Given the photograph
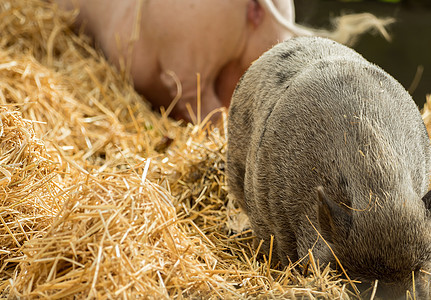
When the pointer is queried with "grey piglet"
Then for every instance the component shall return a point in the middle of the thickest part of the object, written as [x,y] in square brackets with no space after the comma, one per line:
[318,136]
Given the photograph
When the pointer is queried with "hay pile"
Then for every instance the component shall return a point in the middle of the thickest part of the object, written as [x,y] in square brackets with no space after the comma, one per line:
[102,197]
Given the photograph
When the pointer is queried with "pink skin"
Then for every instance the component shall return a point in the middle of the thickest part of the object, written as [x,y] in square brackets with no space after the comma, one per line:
[218,39]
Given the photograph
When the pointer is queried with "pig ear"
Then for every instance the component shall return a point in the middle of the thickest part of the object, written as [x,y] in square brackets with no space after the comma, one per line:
[335,221]
[254,13]
[427,200]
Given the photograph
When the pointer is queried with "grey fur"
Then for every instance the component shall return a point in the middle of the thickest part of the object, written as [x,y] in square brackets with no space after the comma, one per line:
[309,113]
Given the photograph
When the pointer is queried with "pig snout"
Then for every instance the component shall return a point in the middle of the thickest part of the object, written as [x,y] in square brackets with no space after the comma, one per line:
[321,139]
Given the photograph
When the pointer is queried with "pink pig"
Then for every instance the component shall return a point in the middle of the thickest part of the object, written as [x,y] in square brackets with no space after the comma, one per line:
[168,42]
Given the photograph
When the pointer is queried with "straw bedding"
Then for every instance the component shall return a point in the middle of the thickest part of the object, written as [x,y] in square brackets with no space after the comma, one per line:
[102,197]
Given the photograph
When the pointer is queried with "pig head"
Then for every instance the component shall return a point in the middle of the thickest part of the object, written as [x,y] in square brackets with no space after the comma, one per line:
[163,44]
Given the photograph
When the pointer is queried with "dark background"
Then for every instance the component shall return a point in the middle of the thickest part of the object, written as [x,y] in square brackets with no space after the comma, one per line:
[411,36]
